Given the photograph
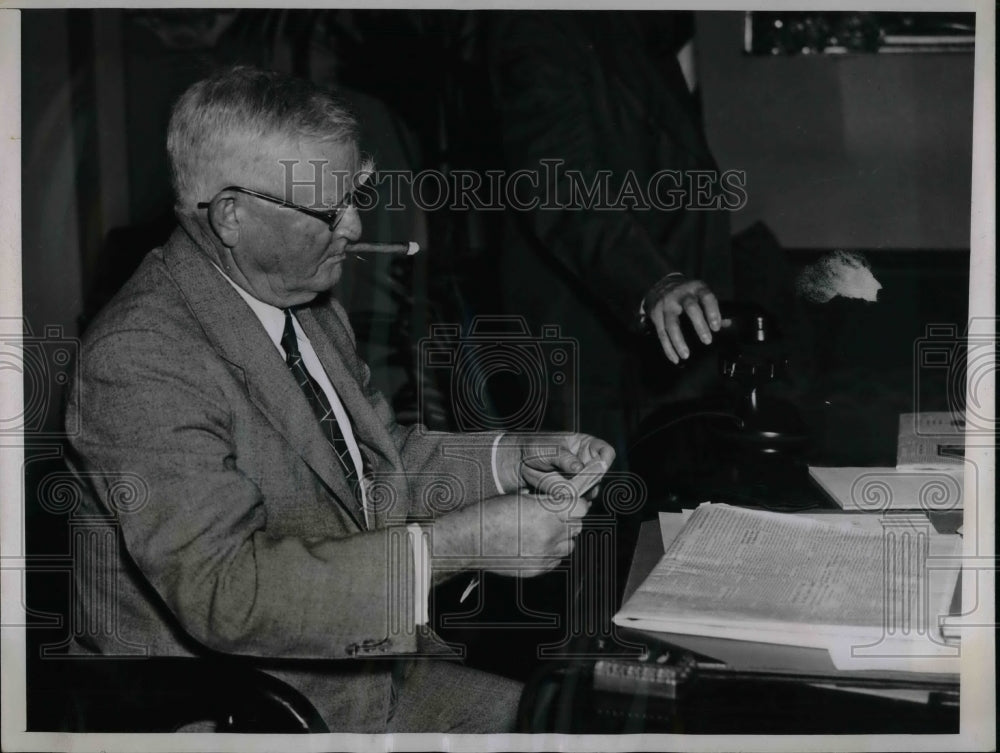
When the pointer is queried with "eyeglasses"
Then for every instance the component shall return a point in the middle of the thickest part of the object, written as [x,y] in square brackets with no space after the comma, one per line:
[331,217]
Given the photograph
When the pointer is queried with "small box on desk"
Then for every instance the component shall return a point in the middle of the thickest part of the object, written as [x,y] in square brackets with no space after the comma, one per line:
[929,473]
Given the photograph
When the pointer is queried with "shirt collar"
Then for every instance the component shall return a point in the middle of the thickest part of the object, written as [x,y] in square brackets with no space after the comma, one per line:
[271,317]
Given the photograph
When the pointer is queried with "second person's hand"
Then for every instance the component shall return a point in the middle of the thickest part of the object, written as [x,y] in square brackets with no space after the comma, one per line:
[676,296]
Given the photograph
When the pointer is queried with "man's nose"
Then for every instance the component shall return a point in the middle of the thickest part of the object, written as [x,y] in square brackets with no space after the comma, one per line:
[349,225]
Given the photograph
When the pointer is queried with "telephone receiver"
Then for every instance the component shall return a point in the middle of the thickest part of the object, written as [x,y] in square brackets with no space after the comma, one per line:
[751,349]
[746,322]
[751,359]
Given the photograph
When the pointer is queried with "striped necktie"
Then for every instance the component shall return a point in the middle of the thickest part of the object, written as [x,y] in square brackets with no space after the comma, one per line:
[324,413]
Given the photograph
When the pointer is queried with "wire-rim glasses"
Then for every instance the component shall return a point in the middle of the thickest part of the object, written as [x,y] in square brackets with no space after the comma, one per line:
[331,217]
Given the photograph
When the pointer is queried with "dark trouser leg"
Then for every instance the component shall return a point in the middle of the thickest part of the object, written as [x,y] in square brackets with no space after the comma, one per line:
[442,696]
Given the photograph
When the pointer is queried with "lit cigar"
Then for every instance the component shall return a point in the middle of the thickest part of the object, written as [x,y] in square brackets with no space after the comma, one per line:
[409,248]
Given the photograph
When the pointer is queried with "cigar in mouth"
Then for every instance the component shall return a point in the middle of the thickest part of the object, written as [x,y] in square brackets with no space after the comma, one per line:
[408,248]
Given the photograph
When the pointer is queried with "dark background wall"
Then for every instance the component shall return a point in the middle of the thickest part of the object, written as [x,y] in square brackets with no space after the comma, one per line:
[857,151]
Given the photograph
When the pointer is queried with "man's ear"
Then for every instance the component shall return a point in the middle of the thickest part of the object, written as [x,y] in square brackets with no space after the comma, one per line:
[224,219]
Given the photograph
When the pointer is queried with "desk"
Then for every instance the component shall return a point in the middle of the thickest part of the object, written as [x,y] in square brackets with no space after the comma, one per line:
[854,373]
[718,700]
[563,700]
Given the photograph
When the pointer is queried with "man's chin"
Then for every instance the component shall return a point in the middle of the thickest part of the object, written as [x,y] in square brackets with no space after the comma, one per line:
[317,291]
[328,284]
[334,278]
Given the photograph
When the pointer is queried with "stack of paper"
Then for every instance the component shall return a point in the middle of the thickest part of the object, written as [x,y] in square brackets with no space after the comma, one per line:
[929,473]
[864,489]
[869,590]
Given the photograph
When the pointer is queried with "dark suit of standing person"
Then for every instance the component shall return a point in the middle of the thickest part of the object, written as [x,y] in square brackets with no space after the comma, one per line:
[587,90]
[279,511]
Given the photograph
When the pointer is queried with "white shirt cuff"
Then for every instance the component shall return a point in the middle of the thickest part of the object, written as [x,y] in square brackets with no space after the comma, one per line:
[421,573]
[493,462]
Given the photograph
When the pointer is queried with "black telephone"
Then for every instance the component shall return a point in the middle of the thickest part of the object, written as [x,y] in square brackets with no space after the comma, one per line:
[752,364]
[752,359]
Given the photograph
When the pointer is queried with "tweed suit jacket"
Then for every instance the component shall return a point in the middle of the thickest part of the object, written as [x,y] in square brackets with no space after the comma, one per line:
[238,535]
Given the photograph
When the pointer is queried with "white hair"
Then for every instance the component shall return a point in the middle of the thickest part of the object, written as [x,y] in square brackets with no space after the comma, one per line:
[219,128]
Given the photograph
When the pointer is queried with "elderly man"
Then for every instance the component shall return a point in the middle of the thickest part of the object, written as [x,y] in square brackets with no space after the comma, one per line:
[283,513]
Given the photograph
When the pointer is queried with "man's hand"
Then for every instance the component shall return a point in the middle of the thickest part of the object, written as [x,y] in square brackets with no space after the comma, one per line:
[543,462]
[519,535]
[674,296]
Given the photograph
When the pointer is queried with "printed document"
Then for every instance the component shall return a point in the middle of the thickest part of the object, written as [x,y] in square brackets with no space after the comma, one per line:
[870,589]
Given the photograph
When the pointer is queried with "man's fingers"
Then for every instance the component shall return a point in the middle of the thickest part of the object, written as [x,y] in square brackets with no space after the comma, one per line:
[598,449]
[589,449]
[565,542]
[565,504]
[692,308]
[672,325]
[693,299]
[579,509]
[567,462]
[567,471]
[550,483]
[710,304]
[608,454]
[658,317]
[553,453]
[568,547]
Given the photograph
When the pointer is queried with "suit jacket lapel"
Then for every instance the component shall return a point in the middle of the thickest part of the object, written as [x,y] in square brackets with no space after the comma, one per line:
[239,337]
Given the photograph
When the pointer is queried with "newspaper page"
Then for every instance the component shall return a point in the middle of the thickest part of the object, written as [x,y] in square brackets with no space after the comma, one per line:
[771,577]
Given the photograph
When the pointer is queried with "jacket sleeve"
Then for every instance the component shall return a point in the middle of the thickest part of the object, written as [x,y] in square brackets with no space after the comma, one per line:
[553,102]
[158,408]
[444,470]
